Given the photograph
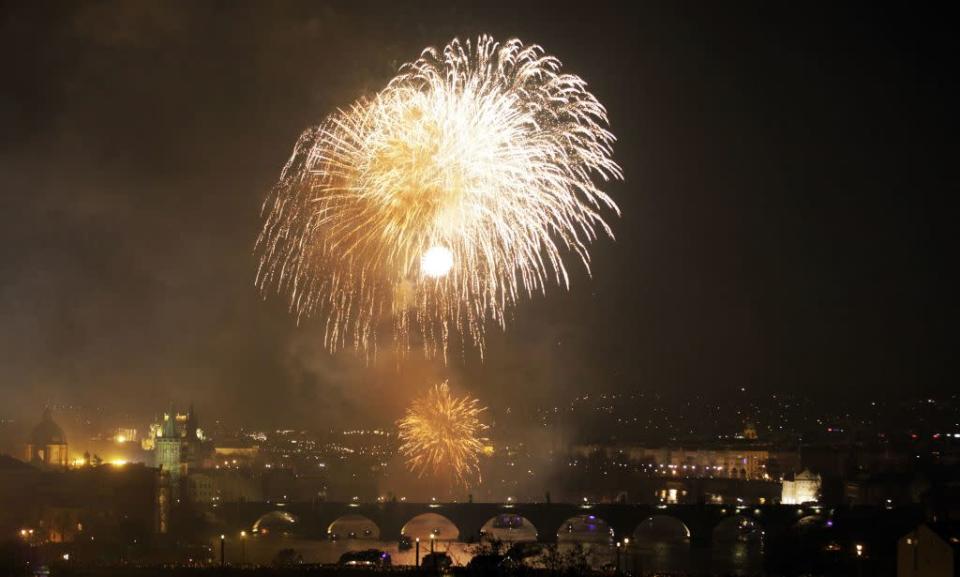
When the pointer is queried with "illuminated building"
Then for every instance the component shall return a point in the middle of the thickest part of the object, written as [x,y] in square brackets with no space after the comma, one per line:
[176,446]
[804,488]
[125,435]
[168,458]
[169,448]
[148,443]
[48,444]
[174,424]
[671,493]
[175,441]
[751,463]
[246,453]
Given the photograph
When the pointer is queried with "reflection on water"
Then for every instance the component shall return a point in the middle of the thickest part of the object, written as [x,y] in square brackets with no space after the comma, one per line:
[353,527]
[585,529]
[509,528]
[736,558]
[674,557]
[261,550]
[431,524]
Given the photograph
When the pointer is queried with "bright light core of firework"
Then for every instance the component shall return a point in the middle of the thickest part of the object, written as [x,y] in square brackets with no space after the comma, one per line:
[442,433]
[432,208]
[437,262]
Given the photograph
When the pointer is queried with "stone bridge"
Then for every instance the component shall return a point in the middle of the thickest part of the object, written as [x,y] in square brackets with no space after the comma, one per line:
[313,520]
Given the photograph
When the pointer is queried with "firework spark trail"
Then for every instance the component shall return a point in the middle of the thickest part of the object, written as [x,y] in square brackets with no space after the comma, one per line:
[442,432]
[437,204]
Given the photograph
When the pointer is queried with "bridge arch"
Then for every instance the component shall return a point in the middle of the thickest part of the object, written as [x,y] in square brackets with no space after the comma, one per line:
[813,526]
[808,521]
[353,526]
[281,521]
[509,527]
[585,528]
[738,528]
[660,529]
[426,524]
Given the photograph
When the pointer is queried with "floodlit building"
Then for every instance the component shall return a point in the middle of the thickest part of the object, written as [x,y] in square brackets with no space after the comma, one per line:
[125,435]
[803,488]
[149,442]
[177,450]
[48,444]
[176,442]
[749,462]
[169,449]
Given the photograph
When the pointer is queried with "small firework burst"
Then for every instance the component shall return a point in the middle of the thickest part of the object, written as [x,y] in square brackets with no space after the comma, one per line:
[442,433]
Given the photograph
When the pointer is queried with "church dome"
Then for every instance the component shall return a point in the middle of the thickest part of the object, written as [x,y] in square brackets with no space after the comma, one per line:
[47,432]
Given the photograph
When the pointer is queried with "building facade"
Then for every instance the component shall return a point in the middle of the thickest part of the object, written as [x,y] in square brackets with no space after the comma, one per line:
[928,551]
[177,448]
[803,488]
[749,462]
[47,445]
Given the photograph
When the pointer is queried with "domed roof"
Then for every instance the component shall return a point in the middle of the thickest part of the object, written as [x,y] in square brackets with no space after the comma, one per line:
[47,432]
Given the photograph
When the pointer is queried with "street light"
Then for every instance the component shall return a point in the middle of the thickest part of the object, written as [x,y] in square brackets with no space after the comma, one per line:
[418,552]
[859,547]
[626,554]
[243,548]
[223,540]
[432,536]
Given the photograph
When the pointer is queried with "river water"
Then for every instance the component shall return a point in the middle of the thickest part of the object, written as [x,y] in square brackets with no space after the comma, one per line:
[733,558]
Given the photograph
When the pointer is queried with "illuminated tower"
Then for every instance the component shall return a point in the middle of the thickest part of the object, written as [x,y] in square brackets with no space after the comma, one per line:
[168,455]
[168,445]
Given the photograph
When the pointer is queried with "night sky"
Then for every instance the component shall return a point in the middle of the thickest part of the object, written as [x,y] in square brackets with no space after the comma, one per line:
[786,218]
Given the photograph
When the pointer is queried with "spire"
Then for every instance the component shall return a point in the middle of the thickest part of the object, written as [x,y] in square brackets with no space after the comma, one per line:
[191,423]
[169,428]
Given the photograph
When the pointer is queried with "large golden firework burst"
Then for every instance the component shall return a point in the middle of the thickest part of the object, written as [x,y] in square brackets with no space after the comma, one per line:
[434,206]
[442,433]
